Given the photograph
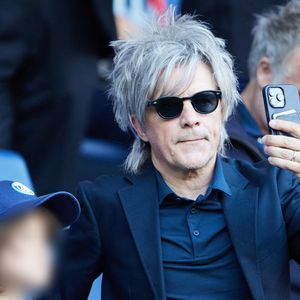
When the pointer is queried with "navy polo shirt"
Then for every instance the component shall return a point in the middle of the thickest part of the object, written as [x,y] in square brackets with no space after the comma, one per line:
[199,261]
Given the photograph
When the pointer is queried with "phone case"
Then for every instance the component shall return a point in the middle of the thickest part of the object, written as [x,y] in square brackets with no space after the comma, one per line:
[281,102]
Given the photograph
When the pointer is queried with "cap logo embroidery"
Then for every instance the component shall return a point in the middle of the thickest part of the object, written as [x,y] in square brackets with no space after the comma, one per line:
[21,188]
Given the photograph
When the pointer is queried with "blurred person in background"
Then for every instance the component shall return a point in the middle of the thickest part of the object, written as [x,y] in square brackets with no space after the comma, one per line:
[29,227]
[274,58]
[31,118]
[49,51]
[78,34]
[182,221]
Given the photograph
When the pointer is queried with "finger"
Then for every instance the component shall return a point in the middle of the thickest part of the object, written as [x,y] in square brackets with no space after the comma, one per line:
[281,141]
[281,153]
[292,166]
[290,127]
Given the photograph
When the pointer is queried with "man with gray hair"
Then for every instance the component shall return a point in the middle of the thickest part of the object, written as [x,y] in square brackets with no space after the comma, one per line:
[274,58]
[183,222]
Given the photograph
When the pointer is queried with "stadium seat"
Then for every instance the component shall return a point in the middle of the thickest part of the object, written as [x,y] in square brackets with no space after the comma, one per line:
[95,293]
[13,167]
[98,157]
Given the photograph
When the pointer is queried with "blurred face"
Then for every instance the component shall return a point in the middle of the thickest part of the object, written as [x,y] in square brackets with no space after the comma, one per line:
[25,252]
[293,64]
[190,141]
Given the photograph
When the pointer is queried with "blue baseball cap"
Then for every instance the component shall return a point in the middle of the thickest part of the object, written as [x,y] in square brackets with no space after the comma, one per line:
[17,199]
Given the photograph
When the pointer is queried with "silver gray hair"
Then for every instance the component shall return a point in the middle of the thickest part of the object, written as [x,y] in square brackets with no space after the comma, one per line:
[275,34]
[144,63]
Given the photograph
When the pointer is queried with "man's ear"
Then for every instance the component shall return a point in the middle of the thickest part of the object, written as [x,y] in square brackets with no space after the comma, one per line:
[264,73]
[138,128]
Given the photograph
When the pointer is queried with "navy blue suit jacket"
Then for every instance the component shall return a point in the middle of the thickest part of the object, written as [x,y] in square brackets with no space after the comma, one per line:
[118,233]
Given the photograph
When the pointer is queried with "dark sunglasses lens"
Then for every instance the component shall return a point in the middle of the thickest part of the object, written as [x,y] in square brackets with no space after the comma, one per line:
[205,102]
[169,107]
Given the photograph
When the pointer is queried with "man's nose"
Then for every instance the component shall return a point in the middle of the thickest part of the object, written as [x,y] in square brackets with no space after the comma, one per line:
[189,117]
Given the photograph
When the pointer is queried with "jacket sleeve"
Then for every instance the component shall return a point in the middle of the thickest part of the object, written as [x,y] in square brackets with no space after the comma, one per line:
[290,202]
[82,260]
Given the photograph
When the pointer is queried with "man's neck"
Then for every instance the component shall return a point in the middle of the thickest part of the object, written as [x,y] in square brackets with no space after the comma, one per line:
[187,183]
[251,95]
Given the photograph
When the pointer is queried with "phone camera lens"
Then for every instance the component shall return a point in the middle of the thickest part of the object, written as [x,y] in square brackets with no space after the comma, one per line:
[272,92]
[280,97]
[276,97]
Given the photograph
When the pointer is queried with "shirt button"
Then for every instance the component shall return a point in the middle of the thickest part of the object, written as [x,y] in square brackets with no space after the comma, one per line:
[193,210]
[196,232]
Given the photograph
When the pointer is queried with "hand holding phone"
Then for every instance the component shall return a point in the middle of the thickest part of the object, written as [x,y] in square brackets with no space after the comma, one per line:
[281,102]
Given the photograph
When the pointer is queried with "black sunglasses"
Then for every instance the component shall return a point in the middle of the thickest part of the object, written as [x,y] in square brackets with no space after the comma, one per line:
[203,102]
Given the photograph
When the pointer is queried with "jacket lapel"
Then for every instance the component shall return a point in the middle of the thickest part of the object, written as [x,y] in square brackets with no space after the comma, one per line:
[240,214]
[141,208]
